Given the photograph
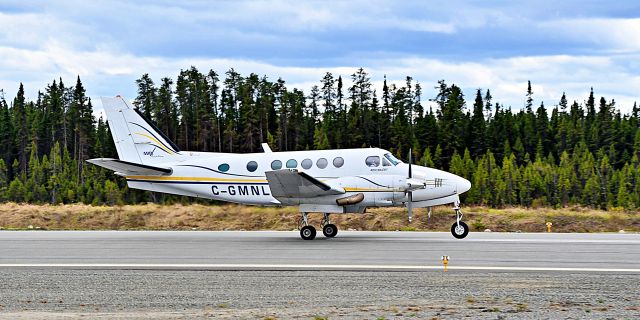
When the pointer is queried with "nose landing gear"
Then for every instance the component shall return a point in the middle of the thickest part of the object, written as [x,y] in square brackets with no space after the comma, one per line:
[459,229]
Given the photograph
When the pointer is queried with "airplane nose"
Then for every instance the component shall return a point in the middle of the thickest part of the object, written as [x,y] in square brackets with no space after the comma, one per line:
[462,185]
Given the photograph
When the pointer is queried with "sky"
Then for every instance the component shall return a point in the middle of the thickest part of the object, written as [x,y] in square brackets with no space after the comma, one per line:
[560,46]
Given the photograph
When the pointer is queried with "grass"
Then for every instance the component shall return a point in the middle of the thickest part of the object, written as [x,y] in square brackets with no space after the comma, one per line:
[522,307]
[15,216]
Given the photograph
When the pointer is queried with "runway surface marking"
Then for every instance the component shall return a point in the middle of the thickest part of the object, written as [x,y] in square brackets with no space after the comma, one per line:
[517,240]
[304,267]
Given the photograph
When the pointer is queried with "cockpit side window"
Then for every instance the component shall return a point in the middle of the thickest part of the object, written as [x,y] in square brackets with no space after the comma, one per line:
[392,159]
[372,161]
[386,162]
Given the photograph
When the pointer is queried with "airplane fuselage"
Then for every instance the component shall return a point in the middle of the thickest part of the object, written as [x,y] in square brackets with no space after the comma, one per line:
[241,178]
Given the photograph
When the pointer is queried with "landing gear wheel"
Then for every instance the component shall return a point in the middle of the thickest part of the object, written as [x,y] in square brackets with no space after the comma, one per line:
[459,231]
[330,230]
[308,233]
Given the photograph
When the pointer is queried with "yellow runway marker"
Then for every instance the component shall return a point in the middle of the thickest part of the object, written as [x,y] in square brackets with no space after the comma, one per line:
[445,262]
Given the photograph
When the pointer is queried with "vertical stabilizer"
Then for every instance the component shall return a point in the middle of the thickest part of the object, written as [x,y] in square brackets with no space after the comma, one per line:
[136,138]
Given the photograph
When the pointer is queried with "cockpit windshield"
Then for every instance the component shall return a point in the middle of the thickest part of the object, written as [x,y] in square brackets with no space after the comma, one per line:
[393,159]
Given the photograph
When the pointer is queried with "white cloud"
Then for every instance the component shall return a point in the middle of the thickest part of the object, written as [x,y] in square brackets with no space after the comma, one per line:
[31,30]
[74,38]
[612,35]
[108,72]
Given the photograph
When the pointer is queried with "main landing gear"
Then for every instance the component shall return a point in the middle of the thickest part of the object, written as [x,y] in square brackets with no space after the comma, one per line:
[328,229]
[308,232]
[459,229]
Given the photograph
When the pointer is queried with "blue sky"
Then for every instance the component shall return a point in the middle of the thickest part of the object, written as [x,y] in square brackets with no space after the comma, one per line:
[560,46]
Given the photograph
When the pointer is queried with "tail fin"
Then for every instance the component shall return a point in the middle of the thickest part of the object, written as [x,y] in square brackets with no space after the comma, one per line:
[137,139]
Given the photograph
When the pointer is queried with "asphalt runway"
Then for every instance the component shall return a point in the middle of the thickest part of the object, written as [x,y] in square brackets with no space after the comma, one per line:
[366,251]
[357,275]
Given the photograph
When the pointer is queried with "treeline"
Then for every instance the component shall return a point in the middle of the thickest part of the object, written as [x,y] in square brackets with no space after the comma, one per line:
[580,152]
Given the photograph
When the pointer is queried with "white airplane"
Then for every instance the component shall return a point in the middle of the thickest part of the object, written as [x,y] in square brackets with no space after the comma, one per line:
[322,181]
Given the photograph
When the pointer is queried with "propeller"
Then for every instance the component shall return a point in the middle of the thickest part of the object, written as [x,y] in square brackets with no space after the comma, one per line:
[409,192]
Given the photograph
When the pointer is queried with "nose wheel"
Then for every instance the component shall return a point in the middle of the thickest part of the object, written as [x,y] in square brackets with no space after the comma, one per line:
[459,229]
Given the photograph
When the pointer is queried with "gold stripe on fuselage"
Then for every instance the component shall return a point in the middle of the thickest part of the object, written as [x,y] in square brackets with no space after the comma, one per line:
[195,179]
[348,189]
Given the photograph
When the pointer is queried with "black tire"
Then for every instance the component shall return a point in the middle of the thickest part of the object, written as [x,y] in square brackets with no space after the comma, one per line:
[330,230]
[308,233]
[459,235]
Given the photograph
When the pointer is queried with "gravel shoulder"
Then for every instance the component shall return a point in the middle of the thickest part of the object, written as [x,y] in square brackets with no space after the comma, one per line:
[171,294]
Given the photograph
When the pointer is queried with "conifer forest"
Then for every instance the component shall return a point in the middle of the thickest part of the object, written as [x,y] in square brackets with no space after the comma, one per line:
[552,153]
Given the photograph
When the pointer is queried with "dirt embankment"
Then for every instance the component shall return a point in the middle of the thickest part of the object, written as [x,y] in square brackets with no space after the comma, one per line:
[236,217]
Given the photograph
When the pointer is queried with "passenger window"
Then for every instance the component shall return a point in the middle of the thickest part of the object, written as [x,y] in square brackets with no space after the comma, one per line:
[252,166]
[386,162]
[276,165]
[372,161]
[322,163]
[306,163]
[338,162]
[292,163]
[223,167]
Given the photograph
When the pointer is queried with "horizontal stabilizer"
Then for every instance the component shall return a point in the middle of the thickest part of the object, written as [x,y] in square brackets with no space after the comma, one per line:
[293,184]
[126,168]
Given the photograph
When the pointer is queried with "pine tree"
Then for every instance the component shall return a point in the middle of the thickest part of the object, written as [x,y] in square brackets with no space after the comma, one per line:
[146,99]
[477,126]
[21,128]
[4,180]
[426,159]
[6,133]
[511,179]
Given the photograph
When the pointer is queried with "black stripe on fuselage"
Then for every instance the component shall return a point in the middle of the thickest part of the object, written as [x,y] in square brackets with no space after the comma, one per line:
[377,184]
[220,172]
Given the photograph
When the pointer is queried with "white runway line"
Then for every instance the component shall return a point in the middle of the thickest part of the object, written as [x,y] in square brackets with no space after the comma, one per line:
[307,267]
[558,241]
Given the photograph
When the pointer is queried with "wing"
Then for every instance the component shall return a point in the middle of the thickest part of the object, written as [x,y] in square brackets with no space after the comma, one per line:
[293,184]
[129,168]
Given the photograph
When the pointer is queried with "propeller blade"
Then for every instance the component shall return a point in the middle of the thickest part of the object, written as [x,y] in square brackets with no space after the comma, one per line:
[410,206]
[410,162]
[409,193]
